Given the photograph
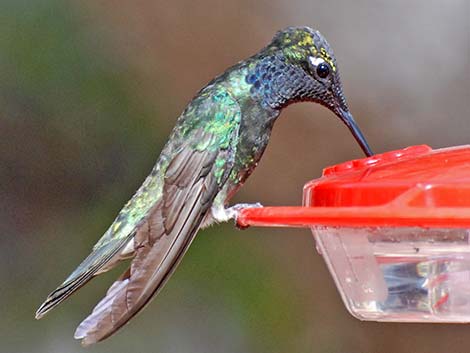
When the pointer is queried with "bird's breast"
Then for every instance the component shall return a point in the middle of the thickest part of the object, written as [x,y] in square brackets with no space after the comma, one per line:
[255,131]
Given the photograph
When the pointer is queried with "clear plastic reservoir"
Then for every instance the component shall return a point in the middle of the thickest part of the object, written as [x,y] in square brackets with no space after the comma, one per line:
[400,274]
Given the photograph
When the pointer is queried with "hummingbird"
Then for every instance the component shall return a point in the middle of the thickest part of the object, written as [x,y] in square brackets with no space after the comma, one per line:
[216,144]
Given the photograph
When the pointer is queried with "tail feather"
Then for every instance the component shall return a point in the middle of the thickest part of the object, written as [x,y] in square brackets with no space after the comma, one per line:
[104,305]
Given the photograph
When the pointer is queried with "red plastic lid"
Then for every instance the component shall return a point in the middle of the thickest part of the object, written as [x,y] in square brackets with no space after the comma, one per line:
[416,186]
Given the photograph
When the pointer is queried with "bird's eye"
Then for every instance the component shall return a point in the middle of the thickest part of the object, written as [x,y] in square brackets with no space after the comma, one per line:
[323,70]
[319,67]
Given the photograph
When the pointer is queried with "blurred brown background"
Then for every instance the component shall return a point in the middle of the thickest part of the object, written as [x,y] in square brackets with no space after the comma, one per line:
[88,94]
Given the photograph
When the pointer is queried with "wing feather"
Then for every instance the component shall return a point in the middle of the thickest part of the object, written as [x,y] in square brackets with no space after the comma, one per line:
[92,265]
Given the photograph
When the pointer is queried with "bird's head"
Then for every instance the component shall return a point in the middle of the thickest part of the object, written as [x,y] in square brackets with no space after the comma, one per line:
[299,65]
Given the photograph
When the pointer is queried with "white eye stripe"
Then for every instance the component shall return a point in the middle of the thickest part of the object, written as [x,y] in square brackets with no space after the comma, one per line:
[315,61]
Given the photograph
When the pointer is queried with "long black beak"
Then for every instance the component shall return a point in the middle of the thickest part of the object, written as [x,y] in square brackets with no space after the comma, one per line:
[348,119]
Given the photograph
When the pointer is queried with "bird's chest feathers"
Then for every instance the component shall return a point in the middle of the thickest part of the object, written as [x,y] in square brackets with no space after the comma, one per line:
[255,131]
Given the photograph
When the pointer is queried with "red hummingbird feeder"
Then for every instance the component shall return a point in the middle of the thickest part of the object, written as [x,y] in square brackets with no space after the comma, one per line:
[394,230]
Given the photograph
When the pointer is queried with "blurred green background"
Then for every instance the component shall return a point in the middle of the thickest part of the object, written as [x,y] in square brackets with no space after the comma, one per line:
[89,91]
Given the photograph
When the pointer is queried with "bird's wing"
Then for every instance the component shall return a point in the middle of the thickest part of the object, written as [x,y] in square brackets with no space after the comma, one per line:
[109,249]
[192,176]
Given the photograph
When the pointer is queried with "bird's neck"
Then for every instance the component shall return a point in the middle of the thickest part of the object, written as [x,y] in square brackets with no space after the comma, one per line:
[251,102]
[267,79]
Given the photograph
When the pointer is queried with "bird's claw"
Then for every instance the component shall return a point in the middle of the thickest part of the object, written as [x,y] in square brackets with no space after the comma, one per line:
[236,209]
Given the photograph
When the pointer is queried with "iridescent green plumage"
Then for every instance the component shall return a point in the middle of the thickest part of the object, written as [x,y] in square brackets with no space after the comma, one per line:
[217,142]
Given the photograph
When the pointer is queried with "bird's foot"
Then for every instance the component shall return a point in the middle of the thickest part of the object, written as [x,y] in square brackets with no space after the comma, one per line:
[225,214]
[235,210]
